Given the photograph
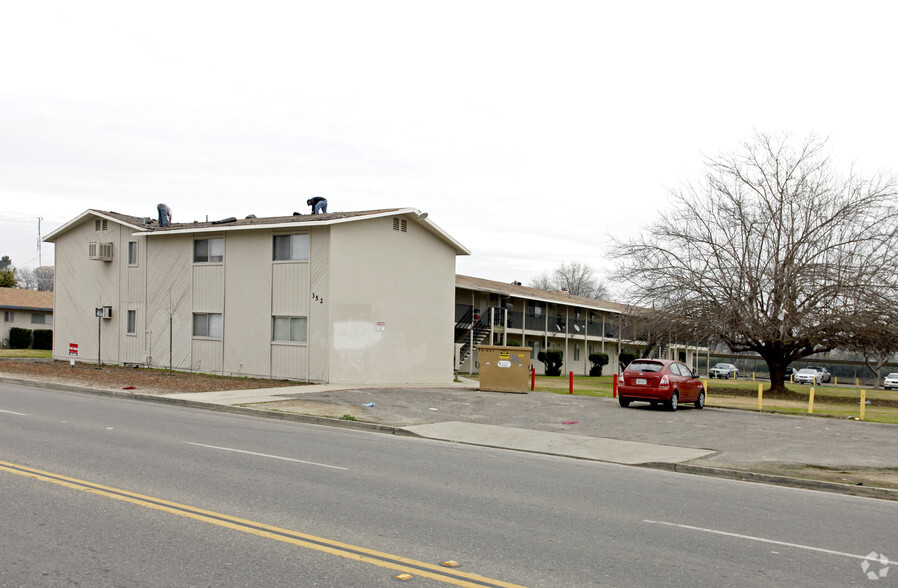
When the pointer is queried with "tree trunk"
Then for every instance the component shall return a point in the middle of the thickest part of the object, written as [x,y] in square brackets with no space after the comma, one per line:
[777,368]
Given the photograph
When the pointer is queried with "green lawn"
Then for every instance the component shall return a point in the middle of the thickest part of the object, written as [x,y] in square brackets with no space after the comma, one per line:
[829,400]
[41,353]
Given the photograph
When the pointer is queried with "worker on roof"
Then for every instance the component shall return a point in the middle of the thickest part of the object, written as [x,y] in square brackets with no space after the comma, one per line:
[164,214]
[318,204]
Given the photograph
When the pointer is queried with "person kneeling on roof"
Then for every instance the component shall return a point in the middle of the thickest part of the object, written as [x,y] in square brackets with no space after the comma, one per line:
[318,204]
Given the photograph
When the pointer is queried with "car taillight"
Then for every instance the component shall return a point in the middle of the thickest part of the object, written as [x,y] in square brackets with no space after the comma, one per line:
[620,378]
[665,381]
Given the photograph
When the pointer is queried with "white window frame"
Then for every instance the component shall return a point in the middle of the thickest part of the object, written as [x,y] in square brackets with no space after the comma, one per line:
[207,325]
[131,326]
[132,252]
[214,250]
[294,247]
[290,329]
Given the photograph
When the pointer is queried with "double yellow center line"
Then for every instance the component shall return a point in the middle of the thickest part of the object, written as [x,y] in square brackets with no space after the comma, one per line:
[384,560]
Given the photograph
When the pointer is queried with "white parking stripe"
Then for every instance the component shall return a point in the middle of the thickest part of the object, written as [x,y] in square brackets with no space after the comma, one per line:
[761,539]
[16,413]
[324,465]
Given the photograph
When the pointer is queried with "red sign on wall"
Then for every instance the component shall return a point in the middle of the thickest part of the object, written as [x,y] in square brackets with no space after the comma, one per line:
[73,349]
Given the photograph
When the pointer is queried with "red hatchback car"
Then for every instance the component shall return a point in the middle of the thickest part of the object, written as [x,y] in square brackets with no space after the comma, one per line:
[660,381]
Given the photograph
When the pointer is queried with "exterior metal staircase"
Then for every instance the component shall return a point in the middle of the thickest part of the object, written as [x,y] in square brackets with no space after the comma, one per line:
[473,323]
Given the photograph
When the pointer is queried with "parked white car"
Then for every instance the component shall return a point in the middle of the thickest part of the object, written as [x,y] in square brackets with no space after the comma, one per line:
[723,370]
[824,376]
[891,381]
[807,376]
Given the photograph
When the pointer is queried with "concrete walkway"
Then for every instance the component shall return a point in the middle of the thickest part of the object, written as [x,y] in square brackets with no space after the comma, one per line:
[564,444]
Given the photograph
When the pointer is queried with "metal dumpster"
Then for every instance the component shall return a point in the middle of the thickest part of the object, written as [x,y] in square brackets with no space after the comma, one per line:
[504,369]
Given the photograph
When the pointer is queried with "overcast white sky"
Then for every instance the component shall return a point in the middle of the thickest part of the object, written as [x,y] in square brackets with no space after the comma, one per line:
[530,132]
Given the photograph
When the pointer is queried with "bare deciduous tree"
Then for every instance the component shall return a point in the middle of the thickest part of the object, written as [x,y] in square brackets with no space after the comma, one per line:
[26,279]
[45,277]
[574,277]
[875,337]
[774,252]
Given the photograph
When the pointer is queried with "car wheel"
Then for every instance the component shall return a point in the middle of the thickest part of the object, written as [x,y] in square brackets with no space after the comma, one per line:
[625,402]
[671,404]
[700,402]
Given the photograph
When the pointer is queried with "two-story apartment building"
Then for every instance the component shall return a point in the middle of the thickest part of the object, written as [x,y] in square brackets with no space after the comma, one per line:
[495,313]
[25,309]
[355,297]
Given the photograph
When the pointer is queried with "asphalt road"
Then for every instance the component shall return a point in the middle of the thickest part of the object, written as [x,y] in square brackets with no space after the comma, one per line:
[504,516]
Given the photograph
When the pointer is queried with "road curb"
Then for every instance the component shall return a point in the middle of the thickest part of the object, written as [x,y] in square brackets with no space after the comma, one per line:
[803,483]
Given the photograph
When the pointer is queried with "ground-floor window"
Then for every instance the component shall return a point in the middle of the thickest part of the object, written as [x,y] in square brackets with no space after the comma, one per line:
[576,352]
[132,322]
[207,324]
[294,329]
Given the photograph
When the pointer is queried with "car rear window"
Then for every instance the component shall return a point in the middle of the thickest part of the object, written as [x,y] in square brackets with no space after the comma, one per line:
[645,366]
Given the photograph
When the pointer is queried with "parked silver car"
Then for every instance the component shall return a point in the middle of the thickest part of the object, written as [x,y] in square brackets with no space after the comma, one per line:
[723,370]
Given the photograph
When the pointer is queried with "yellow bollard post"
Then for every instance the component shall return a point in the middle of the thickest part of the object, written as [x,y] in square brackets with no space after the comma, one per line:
[811,402]
[760,395]
[752,376]
[835,380]
[863,404]
[734,375]
[856,383]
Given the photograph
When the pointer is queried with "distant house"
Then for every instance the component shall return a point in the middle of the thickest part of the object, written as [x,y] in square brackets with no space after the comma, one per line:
[355,297]
[25,309]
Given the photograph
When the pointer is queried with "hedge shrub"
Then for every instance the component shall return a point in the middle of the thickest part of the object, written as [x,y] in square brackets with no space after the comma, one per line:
[19,338]
[598,360]
[43,339]
[552,360]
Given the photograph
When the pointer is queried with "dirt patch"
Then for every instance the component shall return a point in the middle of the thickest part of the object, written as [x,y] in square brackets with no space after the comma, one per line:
[142,380]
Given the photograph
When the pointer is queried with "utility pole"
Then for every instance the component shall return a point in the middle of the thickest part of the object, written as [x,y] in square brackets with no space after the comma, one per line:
[39,219]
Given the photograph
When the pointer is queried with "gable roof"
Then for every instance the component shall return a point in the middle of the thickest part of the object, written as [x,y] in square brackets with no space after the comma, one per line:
[526,292]
[18,299]
[150,227]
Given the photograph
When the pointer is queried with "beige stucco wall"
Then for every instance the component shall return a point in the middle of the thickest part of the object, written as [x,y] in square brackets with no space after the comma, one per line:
[402,280]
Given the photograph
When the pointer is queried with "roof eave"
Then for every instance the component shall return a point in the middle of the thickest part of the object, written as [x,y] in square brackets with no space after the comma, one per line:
[52,236]
[414,213]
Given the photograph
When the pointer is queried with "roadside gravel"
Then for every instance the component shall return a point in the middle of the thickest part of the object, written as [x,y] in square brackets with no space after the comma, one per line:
[145,381]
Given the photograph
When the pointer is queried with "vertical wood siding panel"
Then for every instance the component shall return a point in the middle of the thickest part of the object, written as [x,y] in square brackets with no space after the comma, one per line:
[247,304]
[208,288]
[289,361]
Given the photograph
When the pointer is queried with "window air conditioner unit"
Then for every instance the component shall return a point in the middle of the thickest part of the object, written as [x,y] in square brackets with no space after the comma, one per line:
[103,312]
[99,251]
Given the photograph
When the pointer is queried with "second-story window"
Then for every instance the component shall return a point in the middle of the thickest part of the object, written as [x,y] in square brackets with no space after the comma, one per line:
[132,252]
[208,250]
[291,247]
